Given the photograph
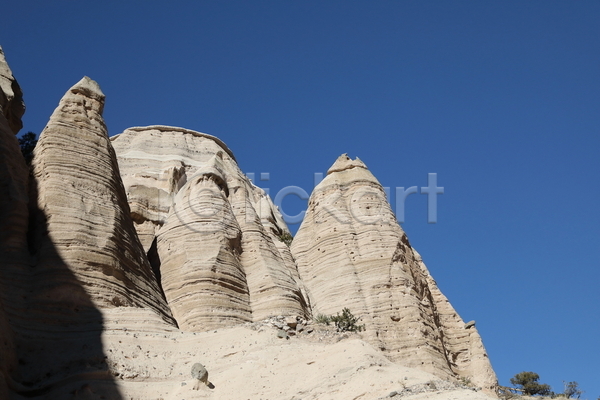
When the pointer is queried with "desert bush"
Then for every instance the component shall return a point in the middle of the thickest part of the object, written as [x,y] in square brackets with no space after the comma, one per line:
[572,390]
[27,143]
[527,381]
[322,319]
[346,322]
[286,238]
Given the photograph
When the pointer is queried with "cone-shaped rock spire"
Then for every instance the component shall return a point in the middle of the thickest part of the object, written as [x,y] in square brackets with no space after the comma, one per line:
[352,253]
[84,212]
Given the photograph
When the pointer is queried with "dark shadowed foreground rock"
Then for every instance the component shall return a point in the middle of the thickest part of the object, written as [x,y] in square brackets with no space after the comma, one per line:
[14,257]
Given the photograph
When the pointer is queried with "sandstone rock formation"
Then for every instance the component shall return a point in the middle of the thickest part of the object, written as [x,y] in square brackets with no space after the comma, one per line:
[11,96]
[121,268]
[212,234]
[83,210]
[13,221]
[352,253]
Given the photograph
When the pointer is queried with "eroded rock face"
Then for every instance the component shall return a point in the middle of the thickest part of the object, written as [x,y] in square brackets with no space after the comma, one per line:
[80,299]
[11,96]
[13,223]
[351,252]
[83,219]
[212,234]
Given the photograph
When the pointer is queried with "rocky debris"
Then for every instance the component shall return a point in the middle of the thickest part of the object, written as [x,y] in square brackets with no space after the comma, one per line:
[352,253]
[439,386]
[292,322]
[304,329]
[469,324]
[282,334]
[212,234]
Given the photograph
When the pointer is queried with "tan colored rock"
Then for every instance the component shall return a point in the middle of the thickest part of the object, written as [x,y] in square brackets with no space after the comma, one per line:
[351,252]
[82,314]
[11,96]
[199,248]
[213,232]
[84,220]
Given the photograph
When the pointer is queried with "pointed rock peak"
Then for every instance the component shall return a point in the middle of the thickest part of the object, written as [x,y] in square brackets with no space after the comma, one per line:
[344,162]
[88,88]
[11,96]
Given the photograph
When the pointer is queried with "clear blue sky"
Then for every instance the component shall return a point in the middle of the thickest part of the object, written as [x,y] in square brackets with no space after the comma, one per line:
[500,99]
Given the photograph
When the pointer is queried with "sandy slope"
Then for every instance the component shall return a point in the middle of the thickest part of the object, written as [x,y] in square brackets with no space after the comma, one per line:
[251,362]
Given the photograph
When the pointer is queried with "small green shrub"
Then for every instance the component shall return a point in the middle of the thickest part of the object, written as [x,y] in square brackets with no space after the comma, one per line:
[346,322]
[322,319]
[286,238]
[465,381]
[27,143]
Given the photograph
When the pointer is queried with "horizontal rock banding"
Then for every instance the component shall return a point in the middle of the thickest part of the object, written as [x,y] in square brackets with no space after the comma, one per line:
[83,213]
[216,233]
[351,252]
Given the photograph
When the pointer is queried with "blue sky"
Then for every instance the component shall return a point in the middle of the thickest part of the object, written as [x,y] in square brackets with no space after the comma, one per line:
[500,99]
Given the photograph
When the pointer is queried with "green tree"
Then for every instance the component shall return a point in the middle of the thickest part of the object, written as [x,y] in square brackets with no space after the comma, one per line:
[27,143]
[528,382]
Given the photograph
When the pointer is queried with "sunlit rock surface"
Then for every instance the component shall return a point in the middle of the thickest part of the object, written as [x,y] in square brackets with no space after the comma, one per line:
[112,290]
[211,234]
[84,219]
[352,253]
[11,97]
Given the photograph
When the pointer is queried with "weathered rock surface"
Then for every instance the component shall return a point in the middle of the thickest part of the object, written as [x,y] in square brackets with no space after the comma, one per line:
[83,219]
[11,96]
[351,252]
[13,224]
[212,234]
[95,273]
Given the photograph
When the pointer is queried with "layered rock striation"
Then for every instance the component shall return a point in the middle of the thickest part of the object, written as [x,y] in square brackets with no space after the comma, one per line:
[111,249]
[11,96]
[212,235]
[352,253]
[83,211]
[13,223]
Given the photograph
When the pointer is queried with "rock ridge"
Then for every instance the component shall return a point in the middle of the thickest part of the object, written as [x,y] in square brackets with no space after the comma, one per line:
[12,105]
[183,130]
